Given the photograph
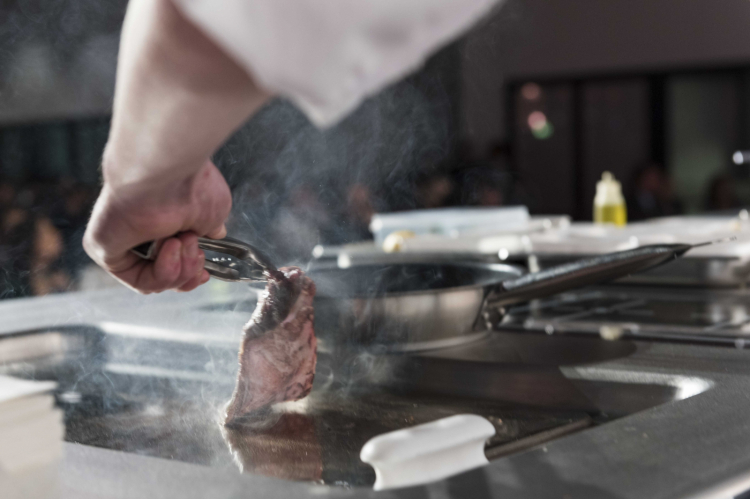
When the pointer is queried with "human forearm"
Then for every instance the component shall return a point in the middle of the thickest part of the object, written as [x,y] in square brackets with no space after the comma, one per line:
[178,98]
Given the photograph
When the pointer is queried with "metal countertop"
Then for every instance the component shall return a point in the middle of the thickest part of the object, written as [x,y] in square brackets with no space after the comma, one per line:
[699,446]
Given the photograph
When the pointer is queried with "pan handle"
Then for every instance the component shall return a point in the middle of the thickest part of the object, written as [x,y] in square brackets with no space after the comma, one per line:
[577,274]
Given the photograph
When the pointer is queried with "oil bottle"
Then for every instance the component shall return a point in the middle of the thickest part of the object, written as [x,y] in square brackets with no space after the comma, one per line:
[609,205]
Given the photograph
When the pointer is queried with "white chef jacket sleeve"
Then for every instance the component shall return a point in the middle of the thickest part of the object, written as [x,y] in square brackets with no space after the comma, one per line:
[327,56]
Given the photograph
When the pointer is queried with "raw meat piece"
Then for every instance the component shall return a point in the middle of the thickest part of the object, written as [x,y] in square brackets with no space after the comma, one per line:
[278,351]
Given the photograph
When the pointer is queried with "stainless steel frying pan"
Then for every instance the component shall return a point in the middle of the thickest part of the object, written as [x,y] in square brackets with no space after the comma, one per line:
[427,305]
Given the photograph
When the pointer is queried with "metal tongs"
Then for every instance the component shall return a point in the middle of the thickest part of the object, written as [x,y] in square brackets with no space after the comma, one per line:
[236,261]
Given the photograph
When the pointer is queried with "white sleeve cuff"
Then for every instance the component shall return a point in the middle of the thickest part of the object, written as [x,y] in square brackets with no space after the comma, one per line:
[327,56]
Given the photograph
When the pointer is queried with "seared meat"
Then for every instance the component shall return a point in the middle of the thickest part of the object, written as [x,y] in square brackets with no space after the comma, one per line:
[278,351]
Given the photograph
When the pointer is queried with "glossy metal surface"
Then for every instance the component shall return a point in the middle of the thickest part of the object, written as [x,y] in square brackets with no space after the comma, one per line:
[119,392]
[583,272]
[708,316]
[229,259]
[690,436]
[688,271]
[422,305]
[117,397]
[406,306]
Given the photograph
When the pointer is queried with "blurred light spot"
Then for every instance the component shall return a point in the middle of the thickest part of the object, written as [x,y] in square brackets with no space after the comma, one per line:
[503,254]
[537,120]
[531,91]
[690,387]
[533,264]
[396,240]
[611,332]
[738,158]
[545,132]
[344,261]
[540,127]
[318,251]
[70,397]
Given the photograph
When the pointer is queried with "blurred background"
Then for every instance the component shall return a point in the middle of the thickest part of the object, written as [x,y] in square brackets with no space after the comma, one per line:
[528,108]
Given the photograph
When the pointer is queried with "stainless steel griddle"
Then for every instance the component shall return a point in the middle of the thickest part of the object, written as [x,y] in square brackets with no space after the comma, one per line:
[141,377]
[117,398]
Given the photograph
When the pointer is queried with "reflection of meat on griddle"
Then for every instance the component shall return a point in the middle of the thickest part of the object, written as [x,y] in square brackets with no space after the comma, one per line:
[288,449]
[278,352]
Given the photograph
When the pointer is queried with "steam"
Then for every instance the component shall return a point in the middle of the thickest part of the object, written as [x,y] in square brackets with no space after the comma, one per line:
[292,184]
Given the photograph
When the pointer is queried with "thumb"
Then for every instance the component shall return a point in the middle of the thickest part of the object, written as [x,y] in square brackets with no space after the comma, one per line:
[219,233]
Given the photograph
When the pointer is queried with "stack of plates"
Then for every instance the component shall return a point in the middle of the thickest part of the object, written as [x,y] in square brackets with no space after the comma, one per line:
[31,435]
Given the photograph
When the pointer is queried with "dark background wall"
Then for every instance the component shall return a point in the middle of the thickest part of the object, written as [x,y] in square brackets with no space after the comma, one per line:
[533,38]
[647,81]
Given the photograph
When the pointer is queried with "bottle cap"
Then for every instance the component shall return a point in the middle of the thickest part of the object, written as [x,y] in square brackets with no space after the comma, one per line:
[608,190]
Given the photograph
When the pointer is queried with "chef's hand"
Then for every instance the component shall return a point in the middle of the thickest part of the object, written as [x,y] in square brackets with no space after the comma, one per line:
[178,97]
[125,217]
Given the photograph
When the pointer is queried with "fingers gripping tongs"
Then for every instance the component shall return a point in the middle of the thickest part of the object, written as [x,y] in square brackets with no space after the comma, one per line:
[227,259]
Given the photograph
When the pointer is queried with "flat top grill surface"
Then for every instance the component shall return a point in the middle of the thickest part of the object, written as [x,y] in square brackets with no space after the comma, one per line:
[318,439]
